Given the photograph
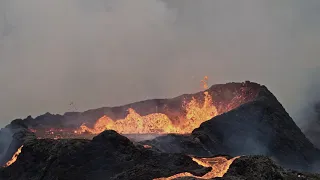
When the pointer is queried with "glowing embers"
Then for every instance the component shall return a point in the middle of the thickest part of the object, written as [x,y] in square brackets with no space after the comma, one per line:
[219,165]
[14,157]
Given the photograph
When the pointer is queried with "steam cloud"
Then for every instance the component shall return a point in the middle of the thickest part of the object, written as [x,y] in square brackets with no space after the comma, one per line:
[111,52]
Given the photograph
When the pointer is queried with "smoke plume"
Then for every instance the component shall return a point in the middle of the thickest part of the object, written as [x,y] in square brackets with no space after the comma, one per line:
[5,141]
[54,53]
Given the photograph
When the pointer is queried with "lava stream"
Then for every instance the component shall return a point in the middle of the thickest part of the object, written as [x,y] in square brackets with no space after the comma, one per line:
[219,165]
[14,157]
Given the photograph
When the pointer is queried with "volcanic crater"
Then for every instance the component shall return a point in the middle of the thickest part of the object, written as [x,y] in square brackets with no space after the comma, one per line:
[179,115]
[227,131]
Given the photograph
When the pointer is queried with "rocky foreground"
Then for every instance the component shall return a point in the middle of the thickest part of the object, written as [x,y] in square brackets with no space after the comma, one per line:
[112,156]
[256,140]
[108,156]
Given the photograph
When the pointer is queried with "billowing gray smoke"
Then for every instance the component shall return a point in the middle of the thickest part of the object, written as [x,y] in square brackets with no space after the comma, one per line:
[12,137]
[309,114]
[110,52]
[5,141]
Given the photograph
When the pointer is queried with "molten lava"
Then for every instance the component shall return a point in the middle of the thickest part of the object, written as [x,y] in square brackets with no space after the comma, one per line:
[205,82]
[134,123]
[219,165]
[197,113]
[14,157]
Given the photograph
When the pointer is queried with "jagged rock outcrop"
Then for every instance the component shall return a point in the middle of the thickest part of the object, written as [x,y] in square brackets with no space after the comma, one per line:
[260,127]
[108,156]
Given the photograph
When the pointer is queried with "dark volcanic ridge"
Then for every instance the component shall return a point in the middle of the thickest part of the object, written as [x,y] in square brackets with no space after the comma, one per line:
[225,97]
[257,128]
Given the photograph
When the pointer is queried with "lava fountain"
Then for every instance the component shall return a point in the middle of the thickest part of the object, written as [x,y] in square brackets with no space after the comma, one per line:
[178,115]
[158,123]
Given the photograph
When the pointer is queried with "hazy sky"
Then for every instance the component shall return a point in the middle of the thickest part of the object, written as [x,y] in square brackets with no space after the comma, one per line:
[111,52]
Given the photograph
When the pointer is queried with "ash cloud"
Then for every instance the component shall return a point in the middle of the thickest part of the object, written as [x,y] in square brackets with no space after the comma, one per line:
[112,52]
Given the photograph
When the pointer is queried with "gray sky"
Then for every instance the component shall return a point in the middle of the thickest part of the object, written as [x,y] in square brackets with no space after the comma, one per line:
[111,52]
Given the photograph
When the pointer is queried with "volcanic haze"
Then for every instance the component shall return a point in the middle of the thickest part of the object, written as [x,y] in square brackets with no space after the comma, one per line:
[54,53]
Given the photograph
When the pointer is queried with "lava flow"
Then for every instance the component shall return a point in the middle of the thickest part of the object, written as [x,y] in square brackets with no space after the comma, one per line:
[219,165]
[14,157]
[134,123]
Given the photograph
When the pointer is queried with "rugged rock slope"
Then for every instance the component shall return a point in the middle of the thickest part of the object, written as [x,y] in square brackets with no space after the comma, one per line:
[108,156]
[261,126]
[112,156]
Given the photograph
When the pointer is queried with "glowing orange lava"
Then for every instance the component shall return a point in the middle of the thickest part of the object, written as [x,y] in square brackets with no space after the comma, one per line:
[14,157]
[134,124]
[196,113]
[219,165]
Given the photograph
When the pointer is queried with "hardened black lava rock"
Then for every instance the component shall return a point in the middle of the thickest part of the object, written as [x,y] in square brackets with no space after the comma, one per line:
[259,127]
[108,156]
